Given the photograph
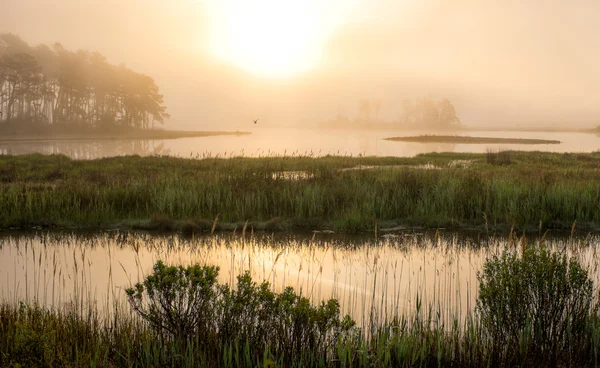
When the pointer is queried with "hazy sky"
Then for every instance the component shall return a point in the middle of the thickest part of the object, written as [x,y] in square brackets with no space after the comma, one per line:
[222,63]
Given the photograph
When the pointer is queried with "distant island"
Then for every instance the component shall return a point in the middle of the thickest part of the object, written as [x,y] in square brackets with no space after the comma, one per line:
[420,113]
[428,114]
[469,140]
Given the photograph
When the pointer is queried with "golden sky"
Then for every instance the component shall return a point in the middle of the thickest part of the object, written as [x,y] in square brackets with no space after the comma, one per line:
[222,62]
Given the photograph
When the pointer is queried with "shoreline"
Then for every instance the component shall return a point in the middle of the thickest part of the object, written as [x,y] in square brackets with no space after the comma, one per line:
[263,228]
[138,135]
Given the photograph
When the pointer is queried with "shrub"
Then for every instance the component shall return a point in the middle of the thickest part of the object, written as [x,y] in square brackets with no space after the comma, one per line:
[285,322]
[188,304]
[178,300]
[538,303]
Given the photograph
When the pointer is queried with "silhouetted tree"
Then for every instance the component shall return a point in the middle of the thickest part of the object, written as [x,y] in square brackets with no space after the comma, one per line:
[427,113]
[57,86]
[447,114]
[22,84]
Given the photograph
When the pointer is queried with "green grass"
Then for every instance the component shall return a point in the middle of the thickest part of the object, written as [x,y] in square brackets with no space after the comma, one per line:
[433,190]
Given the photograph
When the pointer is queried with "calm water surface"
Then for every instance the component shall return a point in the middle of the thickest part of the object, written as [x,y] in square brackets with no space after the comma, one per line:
[374,280]
[270,142]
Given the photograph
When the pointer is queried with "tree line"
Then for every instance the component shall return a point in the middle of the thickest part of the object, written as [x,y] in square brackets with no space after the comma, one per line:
[55,86]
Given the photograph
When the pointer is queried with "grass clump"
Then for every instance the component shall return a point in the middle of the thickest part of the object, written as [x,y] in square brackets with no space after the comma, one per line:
[498,158]
[197,226]
[161,223]
[33,336]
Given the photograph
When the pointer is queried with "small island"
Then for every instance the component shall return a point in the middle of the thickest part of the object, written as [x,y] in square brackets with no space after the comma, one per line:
[469,140]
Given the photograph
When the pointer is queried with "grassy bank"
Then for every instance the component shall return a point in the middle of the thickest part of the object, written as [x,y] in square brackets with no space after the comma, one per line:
[497,191]
[457,139]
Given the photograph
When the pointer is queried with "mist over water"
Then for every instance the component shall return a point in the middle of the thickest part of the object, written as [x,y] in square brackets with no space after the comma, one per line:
[297,142]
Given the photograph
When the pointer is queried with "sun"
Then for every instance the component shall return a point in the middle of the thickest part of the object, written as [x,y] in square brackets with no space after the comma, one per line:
[274,38]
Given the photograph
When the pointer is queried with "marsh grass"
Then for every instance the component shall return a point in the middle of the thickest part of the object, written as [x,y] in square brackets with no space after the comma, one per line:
[423,324]
[498,157]
[176,194]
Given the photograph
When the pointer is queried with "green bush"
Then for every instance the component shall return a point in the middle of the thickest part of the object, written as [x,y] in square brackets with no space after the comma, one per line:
[178,300]
[285,323]
[187,303]
[538,303]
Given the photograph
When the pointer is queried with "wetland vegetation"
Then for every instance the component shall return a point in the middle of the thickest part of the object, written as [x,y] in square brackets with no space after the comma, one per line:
[535,302]
[491,192]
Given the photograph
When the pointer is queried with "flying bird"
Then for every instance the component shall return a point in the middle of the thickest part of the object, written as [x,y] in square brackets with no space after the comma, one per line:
[255,121]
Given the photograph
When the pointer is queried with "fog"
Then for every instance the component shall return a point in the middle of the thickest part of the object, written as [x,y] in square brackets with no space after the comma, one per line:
[502,64]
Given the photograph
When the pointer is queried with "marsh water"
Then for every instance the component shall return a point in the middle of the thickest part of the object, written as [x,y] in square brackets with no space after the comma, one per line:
[315,142]
[373,279]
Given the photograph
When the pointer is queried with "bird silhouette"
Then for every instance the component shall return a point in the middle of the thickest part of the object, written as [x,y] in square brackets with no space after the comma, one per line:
[255,121]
